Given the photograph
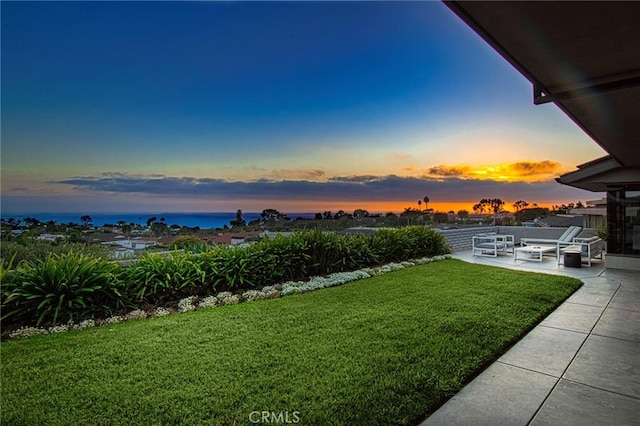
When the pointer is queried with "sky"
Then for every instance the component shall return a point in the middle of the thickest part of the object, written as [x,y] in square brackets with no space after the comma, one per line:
[297,106]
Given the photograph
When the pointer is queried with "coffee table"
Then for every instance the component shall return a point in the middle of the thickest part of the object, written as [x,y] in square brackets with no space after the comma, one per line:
[534,253]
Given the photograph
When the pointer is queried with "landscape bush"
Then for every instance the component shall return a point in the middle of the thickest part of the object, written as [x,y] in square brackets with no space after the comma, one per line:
[73,286]
[156,278]
[61,288]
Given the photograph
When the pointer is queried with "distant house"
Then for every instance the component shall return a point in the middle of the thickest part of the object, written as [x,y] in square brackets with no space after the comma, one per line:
[270,234]
[594,215]
[235,238]
[50,237]
[134,244]
[561,220]
[127,248]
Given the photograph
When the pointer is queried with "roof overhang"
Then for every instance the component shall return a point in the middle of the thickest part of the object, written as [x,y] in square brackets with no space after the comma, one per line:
[602,175]
[582,56]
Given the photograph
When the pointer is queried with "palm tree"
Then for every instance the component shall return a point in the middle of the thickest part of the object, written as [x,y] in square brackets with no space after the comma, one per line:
[426,202]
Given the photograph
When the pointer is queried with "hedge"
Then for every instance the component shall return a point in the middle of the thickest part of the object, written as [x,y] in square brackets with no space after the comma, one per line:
[74,286]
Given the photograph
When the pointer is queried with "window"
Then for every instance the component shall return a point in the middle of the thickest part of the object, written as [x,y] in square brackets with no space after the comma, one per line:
[623,222]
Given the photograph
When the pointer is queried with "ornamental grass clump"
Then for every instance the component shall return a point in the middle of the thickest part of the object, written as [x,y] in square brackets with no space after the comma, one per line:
[330,252]
[280,259]
[157,278]
[229,268]
[61,288]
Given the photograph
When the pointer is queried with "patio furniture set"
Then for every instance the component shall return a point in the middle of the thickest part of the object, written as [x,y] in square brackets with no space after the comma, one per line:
[569,248]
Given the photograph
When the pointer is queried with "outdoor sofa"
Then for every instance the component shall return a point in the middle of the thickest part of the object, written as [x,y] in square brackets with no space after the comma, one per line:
[492,244]
[569,234]
[589,248]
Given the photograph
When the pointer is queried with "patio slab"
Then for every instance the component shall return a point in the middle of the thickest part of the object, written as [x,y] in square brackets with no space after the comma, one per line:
[625,299]
[601,283]
[592,296]
[574,317]
[620,324]
[498,396]
[630,279]
[572,403]
[545,350]
[609,364]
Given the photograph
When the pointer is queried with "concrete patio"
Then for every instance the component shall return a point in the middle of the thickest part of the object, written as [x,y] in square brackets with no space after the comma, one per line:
[579,366]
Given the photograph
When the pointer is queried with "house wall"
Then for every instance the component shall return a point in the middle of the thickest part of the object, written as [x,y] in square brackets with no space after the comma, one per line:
[460,239]
[629,263]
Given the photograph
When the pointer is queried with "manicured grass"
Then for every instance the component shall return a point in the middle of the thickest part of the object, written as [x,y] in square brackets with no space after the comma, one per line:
[386,350]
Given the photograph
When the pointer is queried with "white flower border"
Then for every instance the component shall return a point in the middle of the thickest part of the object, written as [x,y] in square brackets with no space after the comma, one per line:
[227,298]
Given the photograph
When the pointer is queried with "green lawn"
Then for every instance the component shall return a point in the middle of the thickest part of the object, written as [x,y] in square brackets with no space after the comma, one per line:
[386,350]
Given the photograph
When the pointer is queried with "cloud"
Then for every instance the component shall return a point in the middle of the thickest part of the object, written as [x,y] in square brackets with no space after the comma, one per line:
[254,172]
[529,168]
[296,174]
[528,171]
[446,171]
[363,188]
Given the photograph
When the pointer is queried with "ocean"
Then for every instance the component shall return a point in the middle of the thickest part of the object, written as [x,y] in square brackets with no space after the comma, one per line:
[203,220]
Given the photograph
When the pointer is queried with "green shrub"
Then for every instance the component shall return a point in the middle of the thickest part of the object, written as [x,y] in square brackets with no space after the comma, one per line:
[388,245]
[62,288]
[330,252]
[281,259]
[396,245]
[235,269]
[156,278]
[264,263]
[7,282]
[419,241]
[319,246]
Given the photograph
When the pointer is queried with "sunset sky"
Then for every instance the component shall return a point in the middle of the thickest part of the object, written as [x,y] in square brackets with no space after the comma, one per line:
[302,107]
